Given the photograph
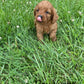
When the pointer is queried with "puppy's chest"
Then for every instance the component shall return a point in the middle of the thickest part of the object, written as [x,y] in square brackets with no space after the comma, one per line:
[46,29]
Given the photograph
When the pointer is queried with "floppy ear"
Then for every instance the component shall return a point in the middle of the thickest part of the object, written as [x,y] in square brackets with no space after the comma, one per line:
[54,15]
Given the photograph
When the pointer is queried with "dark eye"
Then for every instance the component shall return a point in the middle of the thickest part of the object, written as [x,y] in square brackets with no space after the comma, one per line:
[47,12]
[37,10]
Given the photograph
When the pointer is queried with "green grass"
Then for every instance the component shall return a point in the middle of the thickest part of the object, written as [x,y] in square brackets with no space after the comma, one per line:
[24,60]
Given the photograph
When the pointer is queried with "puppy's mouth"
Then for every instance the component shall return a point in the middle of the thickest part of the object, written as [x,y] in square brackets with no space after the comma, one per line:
[39,19]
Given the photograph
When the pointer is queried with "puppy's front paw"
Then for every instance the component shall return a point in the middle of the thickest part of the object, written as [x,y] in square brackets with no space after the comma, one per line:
[54,39]
[40,36]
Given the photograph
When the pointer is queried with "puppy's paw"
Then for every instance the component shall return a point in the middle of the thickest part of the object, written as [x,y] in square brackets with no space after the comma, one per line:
[54,39]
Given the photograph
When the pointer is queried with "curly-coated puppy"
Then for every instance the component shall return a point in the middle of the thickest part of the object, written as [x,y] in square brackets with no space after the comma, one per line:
[45,20]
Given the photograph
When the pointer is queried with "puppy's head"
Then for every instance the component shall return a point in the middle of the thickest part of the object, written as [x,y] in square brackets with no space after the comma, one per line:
[44,12]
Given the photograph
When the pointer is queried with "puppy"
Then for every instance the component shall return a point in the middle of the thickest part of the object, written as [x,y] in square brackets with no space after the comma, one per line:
[45,20]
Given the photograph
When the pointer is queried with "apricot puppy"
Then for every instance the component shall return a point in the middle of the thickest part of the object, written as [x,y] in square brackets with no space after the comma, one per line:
[45,20]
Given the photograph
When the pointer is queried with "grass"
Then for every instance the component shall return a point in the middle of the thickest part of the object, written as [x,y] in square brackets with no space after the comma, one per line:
[24,60]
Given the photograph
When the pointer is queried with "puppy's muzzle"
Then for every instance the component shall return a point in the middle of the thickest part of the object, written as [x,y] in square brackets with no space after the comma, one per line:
[39,18]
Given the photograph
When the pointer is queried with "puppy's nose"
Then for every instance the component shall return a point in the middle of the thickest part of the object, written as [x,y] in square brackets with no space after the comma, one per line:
[40,16]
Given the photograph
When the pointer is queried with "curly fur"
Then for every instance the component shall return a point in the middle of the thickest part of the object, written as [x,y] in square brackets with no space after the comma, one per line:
[49,17]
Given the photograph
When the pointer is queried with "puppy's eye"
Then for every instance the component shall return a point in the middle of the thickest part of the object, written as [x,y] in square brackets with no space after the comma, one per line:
[47,12]
[37,10]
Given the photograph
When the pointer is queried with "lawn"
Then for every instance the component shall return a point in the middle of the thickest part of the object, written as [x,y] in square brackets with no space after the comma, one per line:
[24,60]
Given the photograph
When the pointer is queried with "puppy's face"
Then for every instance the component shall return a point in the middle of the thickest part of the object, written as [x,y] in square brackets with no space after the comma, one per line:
[44,12]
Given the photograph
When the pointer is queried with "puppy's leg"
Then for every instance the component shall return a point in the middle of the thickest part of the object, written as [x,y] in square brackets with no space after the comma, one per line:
[39,31]
[40,36]
[53,35]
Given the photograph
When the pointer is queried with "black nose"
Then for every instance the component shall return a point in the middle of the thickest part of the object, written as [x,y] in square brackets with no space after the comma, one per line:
[40,16]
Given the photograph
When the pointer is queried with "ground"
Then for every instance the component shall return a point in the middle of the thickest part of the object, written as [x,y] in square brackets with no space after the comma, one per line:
[24,60]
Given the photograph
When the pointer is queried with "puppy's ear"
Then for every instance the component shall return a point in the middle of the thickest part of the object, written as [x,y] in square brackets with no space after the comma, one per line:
[54,16]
